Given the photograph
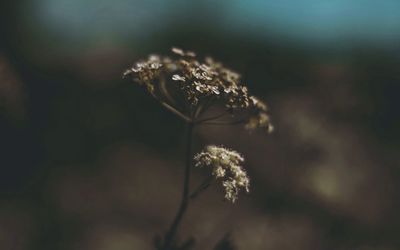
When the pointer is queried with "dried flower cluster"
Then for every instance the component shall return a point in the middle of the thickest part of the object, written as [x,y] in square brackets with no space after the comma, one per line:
[226,165]
[202,92]
[189,88]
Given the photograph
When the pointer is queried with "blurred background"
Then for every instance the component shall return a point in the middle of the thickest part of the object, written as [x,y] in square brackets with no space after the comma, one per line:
[89,161]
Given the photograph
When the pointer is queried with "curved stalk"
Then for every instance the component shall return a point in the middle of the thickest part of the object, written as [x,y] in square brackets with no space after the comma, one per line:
[212,117]
[175,111]
[172,109]
[202,187]
[224,123]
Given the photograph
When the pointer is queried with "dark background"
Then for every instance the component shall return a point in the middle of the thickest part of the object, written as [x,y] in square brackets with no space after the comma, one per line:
[89,161]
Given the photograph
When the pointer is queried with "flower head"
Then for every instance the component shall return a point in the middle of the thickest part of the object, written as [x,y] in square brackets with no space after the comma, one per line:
[259,117]
[145,72]
[191,87]
[226,166]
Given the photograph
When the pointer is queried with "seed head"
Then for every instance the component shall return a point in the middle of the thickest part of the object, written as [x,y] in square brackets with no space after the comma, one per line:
[191,87]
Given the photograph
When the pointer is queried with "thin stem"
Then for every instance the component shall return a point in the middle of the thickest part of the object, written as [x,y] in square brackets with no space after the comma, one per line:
[202,187]
[225,123]
[170,108]
[198,110]
[164,90]
[206,105]
[173,110]
[212,117]
[171,233]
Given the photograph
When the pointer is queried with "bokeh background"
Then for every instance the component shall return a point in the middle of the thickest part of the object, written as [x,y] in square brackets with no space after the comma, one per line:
[89,161]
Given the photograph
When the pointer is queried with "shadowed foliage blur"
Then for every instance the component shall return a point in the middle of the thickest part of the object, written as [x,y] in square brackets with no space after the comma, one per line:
[89,161]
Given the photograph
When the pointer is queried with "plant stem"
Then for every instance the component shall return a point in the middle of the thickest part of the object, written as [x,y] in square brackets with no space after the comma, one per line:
[171,233]
[202,187]
[175,111]
[171,108]
[212,117]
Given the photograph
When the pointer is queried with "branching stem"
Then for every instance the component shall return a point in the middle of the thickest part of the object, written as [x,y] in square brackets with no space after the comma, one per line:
[224,123]
[202,187]
[173,110]
[212,117]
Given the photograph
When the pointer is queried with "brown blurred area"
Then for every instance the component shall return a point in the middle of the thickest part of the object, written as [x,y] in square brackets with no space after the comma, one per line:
[90,162]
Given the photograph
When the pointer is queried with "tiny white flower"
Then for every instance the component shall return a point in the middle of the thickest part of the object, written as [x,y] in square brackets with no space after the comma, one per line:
[178,51]
[178,78]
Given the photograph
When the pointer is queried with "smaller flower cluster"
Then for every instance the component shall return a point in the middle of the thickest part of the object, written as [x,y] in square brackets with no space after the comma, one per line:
[226,165]
[145,72]
[259,117]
